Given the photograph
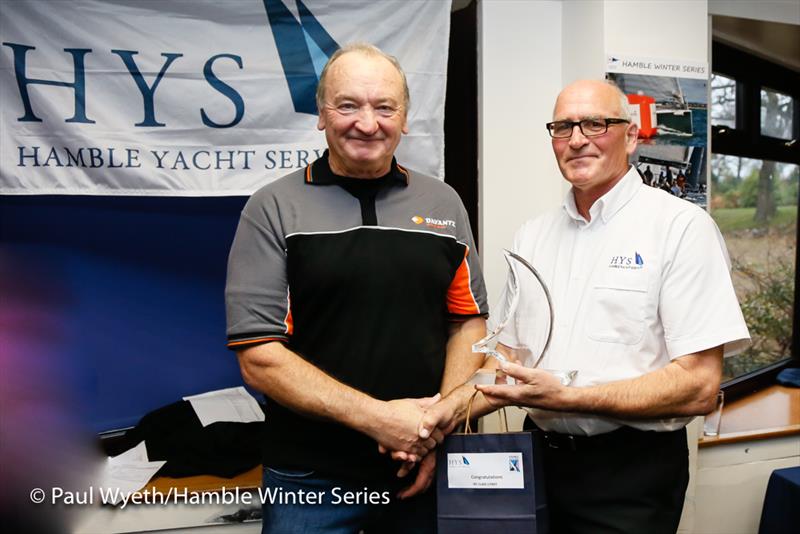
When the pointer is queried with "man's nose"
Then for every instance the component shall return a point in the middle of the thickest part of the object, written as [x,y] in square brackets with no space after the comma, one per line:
[576,137]
[367,122]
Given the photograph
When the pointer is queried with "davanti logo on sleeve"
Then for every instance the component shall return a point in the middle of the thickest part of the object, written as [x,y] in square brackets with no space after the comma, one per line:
[430,222]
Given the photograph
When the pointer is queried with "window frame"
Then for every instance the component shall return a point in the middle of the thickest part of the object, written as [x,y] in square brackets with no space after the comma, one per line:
[753,73]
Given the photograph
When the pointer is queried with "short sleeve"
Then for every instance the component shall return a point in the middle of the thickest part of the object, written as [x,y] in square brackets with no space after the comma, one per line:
[466,295]
[257,299]
[698,305]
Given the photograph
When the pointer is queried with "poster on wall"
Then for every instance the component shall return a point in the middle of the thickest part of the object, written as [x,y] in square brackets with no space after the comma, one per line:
[168,97]
[668,100]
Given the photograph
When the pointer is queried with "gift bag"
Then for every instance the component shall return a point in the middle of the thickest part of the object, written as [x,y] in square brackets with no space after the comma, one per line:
[491,483]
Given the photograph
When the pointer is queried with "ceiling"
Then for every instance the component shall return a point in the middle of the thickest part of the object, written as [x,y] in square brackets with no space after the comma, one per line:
[773,41]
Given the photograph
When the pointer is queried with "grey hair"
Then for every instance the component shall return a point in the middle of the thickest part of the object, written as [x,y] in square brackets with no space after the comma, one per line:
[365,49]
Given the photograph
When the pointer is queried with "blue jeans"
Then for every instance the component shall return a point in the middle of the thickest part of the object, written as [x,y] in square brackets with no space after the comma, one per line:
[298,502]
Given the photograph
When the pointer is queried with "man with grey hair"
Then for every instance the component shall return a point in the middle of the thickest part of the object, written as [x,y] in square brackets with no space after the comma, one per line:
[368,50]
[354,294]
[644,310]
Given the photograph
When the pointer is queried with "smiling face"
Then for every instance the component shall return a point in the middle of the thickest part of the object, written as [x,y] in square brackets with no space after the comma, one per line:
[363,115]
[592,164]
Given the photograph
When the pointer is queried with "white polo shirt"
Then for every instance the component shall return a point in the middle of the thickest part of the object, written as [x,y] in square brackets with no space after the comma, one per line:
[646,281]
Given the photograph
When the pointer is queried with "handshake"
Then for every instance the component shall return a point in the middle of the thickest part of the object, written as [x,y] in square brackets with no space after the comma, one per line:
[409,430]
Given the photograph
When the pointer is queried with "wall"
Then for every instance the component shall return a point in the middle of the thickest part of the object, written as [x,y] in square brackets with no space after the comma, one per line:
[676,29]
[518,177]
[731,482]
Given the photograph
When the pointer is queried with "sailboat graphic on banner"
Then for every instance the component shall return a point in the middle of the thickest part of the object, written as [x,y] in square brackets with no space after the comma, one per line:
[303,47]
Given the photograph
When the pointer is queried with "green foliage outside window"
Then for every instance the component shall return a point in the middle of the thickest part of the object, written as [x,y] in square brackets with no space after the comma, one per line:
[767,309]
[755,206]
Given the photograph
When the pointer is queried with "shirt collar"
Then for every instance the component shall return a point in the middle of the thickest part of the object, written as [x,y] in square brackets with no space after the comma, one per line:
[319,172]
[609,204]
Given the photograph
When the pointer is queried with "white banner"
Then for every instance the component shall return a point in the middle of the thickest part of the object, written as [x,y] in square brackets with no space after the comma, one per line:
[201,97]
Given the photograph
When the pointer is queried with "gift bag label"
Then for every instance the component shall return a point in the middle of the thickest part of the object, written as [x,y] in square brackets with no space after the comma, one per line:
[485,470]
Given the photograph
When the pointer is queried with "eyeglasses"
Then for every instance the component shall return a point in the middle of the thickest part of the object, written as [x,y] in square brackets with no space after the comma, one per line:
[588,127]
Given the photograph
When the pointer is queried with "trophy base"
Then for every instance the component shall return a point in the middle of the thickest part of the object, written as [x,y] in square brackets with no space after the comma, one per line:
[489,377]
[565,377]
[486,376]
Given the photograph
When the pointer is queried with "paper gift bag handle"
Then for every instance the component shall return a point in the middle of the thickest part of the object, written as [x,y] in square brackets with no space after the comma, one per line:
[503,416]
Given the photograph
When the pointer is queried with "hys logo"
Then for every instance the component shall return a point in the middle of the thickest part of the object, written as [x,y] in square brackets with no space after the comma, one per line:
[453,460]
[304,47]
[627,262]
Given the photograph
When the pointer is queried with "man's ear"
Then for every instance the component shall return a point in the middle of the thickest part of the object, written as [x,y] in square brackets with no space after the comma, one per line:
[631,138]
[321,120]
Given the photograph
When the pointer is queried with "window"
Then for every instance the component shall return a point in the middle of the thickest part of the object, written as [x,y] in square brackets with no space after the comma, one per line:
[776,114]
[753,197]
[754,203]
[723,101]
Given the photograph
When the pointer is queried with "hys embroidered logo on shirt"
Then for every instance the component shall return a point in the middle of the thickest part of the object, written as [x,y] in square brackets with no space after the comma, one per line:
[626,262]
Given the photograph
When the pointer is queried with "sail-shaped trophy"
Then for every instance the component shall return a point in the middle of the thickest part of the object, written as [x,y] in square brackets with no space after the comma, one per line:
[525,314]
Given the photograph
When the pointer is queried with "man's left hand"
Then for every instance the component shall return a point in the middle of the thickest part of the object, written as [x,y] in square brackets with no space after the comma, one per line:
[534,387]
[439,420]
[427,470]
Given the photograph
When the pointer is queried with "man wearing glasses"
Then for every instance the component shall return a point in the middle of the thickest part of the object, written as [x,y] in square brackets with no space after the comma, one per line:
[644,310]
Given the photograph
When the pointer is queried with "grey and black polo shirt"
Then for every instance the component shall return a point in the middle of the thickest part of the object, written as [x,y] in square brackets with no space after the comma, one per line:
[360,278]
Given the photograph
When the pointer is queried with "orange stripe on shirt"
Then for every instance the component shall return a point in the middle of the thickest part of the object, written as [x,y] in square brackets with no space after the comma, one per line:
[288,321]
[460,300]
[255,341]
[404,171]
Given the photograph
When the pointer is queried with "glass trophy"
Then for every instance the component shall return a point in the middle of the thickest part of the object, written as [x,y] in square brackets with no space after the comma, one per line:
[525,314]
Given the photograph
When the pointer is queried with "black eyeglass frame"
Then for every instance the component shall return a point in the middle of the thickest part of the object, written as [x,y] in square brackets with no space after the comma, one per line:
[607,120]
